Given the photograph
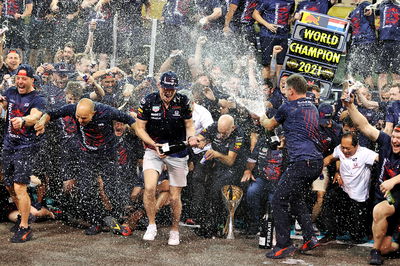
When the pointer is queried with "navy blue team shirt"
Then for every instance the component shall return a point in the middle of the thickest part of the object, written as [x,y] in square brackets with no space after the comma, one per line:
[389,21]
[20,105]
[319,6]
[299,119]
[165,124]
[363,26]
[276,12]
[98,135]
[393,112]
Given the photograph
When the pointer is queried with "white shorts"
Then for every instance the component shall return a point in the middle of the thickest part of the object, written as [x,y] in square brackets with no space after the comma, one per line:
[177,167]
[321,184]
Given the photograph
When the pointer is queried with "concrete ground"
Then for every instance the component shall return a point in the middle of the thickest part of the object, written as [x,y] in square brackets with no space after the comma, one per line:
[56,244]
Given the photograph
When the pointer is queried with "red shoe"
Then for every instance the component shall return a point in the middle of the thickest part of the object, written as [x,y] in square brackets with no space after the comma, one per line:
[125,230]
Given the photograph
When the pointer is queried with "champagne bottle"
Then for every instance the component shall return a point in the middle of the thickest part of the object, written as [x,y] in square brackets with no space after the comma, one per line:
[269,228]
[168,149]
[390,198]
[263,232]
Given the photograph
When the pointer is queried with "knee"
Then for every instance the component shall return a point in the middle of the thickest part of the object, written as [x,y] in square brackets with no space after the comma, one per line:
[20,189]
[382,211]
[149,192]
[175,198]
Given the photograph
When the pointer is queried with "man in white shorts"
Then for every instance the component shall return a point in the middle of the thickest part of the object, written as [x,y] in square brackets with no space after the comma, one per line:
[165,117]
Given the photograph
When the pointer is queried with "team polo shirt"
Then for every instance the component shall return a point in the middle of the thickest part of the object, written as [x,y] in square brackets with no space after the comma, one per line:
[393,112]
[176,12]
[299,119]
[234,143]
[389,21]
[98,135]
[276,12]
[165,124]
[389,162]
[269,163]
[355,172]
[319,6]
[19,105]
[12,7]
[363,26]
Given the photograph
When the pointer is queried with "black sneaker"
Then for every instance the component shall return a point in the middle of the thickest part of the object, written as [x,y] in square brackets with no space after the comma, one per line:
[376,257]
[22,235]
[93,230]
[15,227]
[114,225]
[310,244]
[279,253]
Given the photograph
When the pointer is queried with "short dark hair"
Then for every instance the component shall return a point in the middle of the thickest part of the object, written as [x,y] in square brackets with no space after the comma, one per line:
[348,122]
[298,83]
[268,83]
[353,136]
[75,88]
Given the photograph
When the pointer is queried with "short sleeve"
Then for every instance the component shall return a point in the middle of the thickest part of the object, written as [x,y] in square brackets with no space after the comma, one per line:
[66,110]
[336,152]
[237,144]
[280,115]
[120,116]
[144,109]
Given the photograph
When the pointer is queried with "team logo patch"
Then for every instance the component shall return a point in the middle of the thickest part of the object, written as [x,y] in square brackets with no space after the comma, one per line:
[176,113]
[156,108]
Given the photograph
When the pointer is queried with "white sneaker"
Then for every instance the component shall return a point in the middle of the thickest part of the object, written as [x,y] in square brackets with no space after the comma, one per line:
[151,232]
[173,238]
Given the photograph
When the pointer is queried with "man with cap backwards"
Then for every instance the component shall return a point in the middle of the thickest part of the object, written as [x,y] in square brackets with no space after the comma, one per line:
[165,117]
[24,107]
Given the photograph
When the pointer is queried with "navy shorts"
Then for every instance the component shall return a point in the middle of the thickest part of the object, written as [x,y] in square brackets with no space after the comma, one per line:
[267,45]
[388,57]
[18,165]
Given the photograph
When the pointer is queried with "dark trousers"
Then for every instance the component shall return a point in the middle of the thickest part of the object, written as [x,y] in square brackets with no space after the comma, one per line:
[346,215]
[291,190]
[257,195]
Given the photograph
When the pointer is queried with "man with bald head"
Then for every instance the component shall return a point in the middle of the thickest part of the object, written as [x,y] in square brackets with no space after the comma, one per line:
[97,153]
[226,158]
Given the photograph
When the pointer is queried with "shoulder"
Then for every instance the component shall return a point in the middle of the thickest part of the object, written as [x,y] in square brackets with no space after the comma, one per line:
[181,99]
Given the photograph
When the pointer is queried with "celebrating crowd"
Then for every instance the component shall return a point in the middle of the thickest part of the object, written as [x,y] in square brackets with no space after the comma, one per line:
[96,138]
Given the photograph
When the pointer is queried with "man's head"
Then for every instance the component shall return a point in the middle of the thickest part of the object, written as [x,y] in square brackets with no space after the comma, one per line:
[60,74]
[348,125]
[108,82]
[73,92]
[325,114]
[349,144]
[13,59]
[82,63]
[119,128]
[282,83]
[296,87]
[85,111]
[395,139]
[226,125]
[24,79]
[168,86]
[69,53]
[139,71]
[394,92]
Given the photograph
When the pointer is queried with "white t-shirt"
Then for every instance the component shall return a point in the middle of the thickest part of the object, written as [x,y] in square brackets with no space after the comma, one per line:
[356,172]
[202,119]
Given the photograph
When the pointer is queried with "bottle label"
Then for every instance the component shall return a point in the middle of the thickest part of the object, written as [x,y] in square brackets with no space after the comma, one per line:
[261,241]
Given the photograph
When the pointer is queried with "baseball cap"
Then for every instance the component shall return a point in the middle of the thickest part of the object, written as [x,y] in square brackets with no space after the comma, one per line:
[63,68]
[28,69]
[169,80]
[108,75]
[325,113]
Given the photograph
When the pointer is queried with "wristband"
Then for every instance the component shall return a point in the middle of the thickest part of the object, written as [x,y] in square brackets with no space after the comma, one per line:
[23,121]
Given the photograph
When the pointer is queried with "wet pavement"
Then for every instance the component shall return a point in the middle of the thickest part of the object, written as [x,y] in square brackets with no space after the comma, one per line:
[57,244]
